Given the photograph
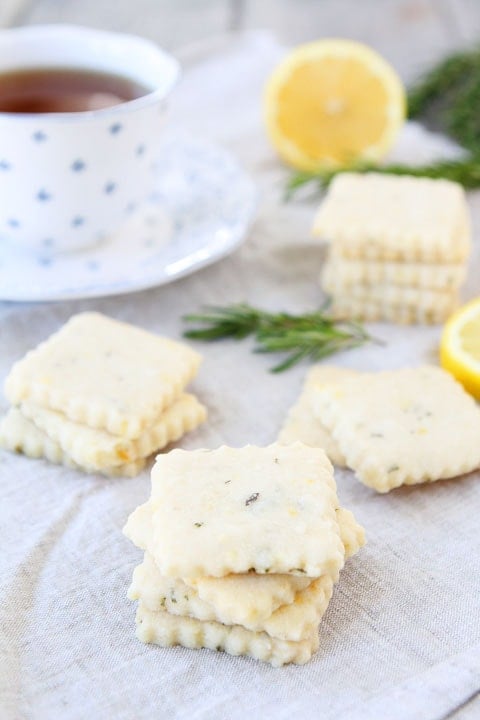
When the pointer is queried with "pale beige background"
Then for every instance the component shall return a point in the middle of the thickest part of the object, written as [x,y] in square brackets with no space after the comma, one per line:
[405,618]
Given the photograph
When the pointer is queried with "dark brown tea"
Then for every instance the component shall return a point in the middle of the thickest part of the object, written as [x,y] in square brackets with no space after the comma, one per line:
[64,90]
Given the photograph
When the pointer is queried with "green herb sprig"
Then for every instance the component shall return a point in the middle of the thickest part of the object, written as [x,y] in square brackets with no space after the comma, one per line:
[443,82]
[466,172]
[449,96]
[313,335]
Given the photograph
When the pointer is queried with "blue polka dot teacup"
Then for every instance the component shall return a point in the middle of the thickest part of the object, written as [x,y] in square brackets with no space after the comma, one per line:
[68,180]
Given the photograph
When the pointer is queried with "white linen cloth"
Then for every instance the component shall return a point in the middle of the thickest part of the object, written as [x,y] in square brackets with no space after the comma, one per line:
[401,638]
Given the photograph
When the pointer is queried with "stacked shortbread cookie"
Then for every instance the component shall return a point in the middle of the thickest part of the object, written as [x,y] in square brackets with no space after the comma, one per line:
[398,247]
[100,395]
[242,550]
[392,428]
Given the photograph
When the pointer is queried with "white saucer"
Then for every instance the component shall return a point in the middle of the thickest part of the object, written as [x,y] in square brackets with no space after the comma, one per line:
[200,212]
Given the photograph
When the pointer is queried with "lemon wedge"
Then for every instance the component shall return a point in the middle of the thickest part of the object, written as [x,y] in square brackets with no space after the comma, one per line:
[333,103]
[460,346]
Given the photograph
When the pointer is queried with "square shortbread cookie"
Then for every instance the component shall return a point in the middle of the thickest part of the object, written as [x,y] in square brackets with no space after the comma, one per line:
[232,510]
[99,449]
[104,373]
[393,295]
[303,425]
[378,217]
[245,599]
[167,630]
[294,621]
[395,428]
[18,434]
[250,597]
[343,273]
[376,311]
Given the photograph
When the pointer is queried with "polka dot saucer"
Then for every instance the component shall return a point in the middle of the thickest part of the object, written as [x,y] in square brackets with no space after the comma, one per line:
[201,210]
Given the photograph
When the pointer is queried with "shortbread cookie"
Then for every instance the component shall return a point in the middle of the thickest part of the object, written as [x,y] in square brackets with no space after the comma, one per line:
[294,621]
[343,273]
[271,510]
[104,373]
[167,630]
[375,311]
[370,216]
[394,296]
[99,449]
[395,428]
[248,598]
[303,425]
[18,434]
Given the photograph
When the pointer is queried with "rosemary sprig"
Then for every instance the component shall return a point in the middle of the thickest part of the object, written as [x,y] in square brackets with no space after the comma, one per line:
[313,335]
[449,95]
[466,172]
[443,82]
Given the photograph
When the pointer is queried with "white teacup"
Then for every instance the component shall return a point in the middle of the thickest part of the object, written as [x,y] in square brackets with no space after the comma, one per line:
[68,180]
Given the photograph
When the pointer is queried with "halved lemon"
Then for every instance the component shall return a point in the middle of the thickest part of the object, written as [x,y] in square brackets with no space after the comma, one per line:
[333,103]
[460,346]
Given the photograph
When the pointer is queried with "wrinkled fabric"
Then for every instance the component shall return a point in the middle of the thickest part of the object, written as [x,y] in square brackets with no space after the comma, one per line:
[401,638]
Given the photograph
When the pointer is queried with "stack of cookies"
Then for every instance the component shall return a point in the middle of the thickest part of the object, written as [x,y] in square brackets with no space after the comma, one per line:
[391,428]
[398,247]
[101,396]
[242,550]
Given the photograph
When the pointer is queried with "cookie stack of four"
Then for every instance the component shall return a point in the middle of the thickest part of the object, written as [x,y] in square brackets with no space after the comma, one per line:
[242,548]
[398,247]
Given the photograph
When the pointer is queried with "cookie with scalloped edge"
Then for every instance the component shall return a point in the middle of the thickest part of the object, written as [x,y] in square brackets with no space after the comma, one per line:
[104,373]
[244,599]
[166,630]
[366,310]
[293,621]
[344,273]
[420,426]
[99,449]
[393,295]
[371,216]
[217,512]
[18,434]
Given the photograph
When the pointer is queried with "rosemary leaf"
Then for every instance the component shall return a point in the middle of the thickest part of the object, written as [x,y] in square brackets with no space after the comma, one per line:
[313,335]
[466,172]
[442,81]
[221,322]
[449,94]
